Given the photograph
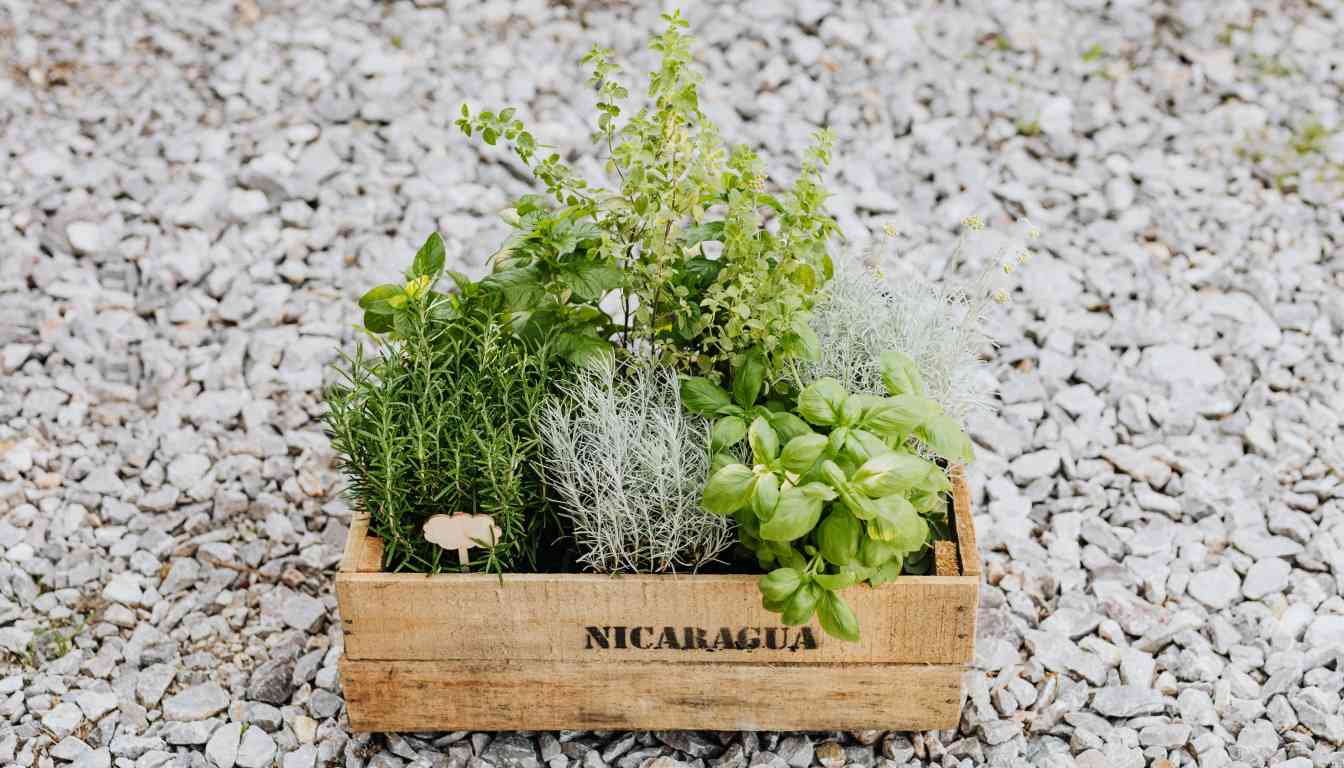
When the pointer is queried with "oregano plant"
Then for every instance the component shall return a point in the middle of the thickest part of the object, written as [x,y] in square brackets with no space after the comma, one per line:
[711,264]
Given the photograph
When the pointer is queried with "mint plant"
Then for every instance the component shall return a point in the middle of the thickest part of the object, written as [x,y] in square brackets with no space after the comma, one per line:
[841,488]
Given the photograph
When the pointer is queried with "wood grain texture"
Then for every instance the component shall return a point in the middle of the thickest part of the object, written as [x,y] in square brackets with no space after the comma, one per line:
[945,559]
[965,524]
[414,617]
[648,695]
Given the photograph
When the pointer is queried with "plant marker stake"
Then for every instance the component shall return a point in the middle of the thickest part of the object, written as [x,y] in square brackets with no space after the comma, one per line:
[461,531]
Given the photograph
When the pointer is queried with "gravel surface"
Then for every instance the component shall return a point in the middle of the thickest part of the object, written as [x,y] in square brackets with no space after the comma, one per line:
[194,194]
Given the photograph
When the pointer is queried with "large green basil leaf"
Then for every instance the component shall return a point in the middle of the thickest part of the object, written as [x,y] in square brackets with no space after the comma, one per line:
[702,396]
[779,584]
[764,442]
[892,472]
[945,437]
[765,496]
[822,402]
[727,432]
[729,489]
[898,524]
[838,536]
[900,374]
[801,606]
[788,425]
[802,452]
[749,377]
[836,617]
[795,515]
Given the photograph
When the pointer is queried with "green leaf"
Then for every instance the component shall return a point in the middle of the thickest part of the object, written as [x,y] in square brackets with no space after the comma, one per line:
[888,571]
[375,299]
[819,491]
[764,442]
[822,402]
[700,395]
[838,536]
[899,415]
[944,436]
[892,472]
[584,351]
[861,445]
[521,288]
[801,606]
[709,230]
[377,322]
[901,374]
[802,452]
[428,260]
[809,346]
[836,617]
[875,552]
[898,524]
[729,489]
[748,378]
[837,581]
[720,460]
[788,426]
[590,280]
[727,432]
[765,496]
[795,515]
[780,584]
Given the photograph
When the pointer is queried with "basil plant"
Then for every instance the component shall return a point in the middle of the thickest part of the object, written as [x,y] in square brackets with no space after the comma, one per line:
[838,490]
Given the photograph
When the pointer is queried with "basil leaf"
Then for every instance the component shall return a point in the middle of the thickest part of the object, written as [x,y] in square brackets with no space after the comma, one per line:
[729,489]
[898,524]
[788,426]
[892,472]
[900,374]
[765,496]
[700,395]
[764,441]
[779,584]
[727,432]
[795,515]
[888,571]
[802,452]
[822,402]
[749,377]
[838,536]
[800,607]
[945,437]
[836,617]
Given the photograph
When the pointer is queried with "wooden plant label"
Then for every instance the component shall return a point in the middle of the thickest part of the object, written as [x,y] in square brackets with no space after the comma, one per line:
[462,531]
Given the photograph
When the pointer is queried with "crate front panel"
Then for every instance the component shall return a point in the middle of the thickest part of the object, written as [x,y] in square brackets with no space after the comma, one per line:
[648,695]
[579,617]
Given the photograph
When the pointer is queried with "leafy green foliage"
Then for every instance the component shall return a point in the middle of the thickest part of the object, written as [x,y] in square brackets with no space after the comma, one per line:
[837,491]
[442,418]
[682,236]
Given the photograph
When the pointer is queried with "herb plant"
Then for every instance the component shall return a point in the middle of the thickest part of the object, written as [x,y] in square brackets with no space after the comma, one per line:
[837,492]
[942,329]
[442,419]
[628,464]
[683,236]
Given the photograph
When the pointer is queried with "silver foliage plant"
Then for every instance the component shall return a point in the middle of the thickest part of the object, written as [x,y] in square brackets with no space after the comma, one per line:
[629,466]
[941,328]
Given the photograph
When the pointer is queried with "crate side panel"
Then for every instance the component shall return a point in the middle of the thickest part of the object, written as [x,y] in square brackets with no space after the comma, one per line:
[686,619]
[639,695]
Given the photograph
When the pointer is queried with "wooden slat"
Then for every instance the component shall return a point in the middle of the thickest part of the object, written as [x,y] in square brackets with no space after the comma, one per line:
[648,695]
[965,523]
[356,540]
[945,559]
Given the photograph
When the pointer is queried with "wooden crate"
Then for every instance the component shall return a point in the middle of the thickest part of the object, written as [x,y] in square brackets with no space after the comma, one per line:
[648,652]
